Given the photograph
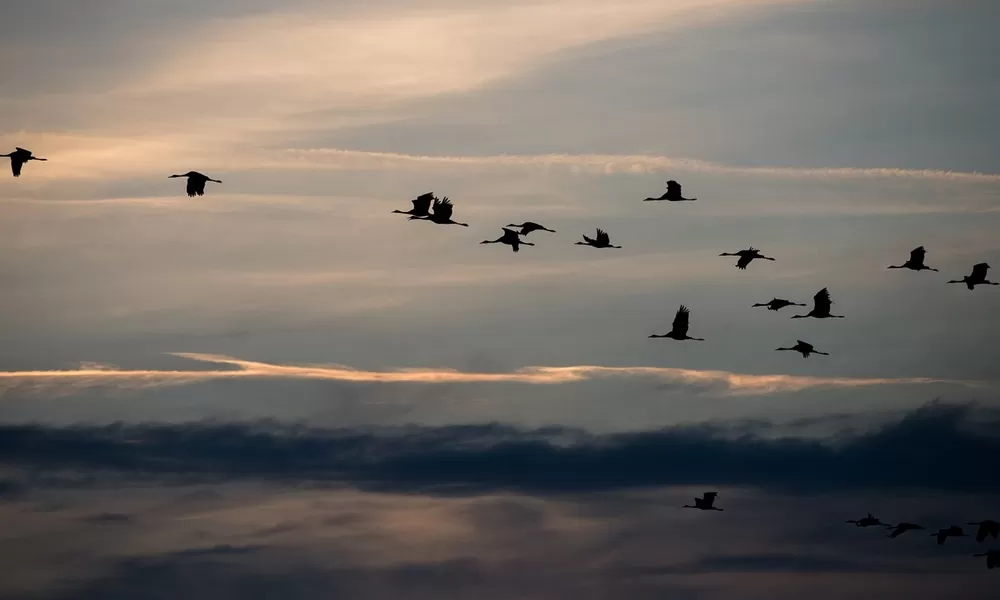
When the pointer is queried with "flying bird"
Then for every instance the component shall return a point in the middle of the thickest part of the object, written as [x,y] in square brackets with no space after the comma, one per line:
[992,558]
[601,241]
[509,237]
[869,521]
[196,182]
[821,307]
[777,304]
[441,213]
[943,534]
[915,262]
[978,277]
[986,529]
[18,158]
[804,348]
[527,227]
[746,256]
[706,502]
[679,331]
[898,530]
[421,206]
[673,194]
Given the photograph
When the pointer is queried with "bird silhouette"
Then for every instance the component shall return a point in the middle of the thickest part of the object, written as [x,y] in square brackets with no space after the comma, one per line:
[746,256]
[898,530]
[527,227]
[679,330]
[869,521]
[992,558]
[441,213]
[986,529]
[196,182]
[915,262]
[673,194]
[18,158]
[601,241]
[509,237]
[943,534]
[804,348]
[777,304]
[706,502]
[978,277]
[421,206]
[821,307]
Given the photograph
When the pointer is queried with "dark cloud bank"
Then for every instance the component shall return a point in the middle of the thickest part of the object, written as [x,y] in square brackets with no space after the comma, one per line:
[939,446]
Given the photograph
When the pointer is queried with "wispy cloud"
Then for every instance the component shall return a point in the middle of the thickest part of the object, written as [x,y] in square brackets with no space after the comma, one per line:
[724,382]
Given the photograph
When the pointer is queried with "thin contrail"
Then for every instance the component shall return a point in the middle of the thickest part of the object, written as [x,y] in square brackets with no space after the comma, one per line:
[725,382]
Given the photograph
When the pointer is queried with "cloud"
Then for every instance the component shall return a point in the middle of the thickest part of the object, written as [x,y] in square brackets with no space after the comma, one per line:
[725,382]
[937,447]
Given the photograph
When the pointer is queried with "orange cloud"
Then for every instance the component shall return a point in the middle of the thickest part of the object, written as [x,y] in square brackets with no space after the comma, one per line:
[727,383]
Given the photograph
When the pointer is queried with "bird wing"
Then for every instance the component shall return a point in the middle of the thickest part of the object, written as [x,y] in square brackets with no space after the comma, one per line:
[510,236]
[423,202]
[22,150]
[681,320]
[602,237]
[443,208]
[195,186]
[917,255]
[744,261]
[979,271]
[822,300]
[673,188]
[805,345]
[15,165]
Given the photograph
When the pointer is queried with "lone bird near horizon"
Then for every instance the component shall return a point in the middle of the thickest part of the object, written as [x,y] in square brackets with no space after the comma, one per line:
[601,241]
[679,330]
[987,528]
[953,531]
[746,256]
[421,206]
[804,348]
[196,182]
[915,262]
[441,213]
[527,227]
[673,194]
[706,502]
[869,521]
[18,158]
[821,307]
[978,277]
[898,530]
[777,304]
[509,237]
[992,558]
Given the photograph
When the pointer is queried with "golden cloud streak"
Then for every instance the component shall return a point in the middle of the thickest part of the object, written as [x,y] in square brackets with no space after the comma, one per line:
[727,383]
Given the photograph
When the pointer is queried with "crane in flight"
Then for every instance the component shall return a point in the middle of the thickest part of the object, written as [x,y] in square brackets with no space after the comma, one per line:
[915,262]
[746,257]
[196,182]
[673,194]
[18,158]
[509,237]
[679,330]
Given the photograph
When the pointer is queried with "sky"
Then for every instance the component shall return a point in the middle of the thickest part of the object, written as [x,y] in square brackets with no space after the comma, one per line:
[282,389]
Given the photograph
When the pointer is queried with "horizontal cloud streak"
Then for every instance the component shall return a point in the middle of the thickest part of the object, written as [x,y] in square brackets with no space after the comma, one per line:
[725,382]
[935,447]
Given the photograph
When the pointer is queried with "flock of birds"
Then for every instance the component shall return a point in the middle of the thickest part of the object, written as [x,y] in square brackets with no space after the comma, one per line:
[427,207]
[987,528]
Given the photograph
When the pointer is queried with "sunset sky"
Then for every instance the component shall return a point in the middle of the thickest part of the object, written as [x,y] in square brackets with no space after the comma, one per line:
[319,398]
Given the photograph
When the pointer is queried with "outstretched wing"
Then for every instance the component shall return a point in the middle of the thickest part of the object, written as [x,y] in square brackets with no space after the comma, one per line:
[681,319]
[805,345]
[422,203]
[709,498]
[744,260]
[16,162]
[917,255]
[979,271]
[602,237]
[443,208]
[673,188]
[822,301]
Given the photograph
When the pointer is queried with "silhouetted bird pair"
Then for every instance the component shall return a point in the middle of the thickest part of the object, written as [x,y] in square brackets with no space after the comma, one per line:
[512,238]
[440,213]
[18,158]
